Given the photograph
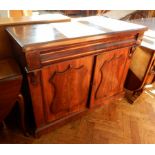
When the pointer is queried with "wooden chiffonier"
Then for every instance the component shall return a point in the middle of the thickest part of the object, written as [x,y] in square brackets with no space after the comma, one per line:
[74,66]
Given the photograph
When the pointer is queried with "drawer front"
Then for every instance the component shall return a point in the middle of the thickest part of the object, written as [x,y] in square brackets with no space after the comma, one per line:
[54,54]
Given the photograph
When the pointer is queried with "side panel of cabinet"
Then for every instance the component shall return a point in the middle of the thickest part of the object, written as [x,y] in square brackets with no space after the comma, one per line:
[35,87]
[66,86]
[109,75]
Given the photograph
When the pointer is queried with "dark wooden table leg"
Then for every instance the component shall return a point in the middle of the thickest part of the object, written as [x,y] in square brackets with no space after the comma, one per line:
[21,104]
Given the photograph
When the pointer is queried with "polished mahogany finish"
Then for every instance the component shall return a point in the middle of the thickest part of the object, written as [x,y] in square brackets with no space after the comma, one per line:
[142,68]
[67,87]
[109,75]
[10,84]
[35,19]
[73,66]
[5,46]
[10,89]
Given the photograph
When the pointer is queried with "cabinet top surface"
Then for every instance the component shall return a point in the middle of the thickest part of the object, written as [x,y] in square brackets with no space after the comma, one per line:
[28,35]
[46,18]
[149,36]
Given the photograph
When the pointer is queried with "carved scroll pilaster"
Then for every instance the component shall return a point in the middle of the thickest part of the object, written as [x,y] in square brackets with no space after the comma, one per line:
[33,78]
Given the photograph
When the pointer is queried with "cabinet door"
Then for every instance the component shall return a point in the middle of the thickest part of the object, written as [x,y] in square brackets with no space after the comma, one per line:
[66,86]
[109,75]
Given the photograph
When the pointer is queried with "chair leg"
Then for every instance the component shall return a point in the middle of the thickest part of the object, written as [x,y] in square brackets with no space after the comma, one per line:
[21,104]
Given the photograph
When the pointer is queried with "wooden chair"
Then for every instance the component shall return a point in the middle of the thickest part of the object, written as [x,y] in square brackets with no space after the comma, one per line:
[10,90]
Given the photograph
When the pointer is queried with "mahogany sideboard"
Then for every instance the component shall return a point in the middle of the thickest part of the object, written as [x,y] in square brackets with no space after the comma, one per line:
[74,66]
[142,68]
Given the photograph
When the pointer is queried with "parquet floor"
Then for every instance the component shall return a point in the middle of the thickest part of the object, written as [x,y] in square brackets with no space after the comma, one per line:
[118,122]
